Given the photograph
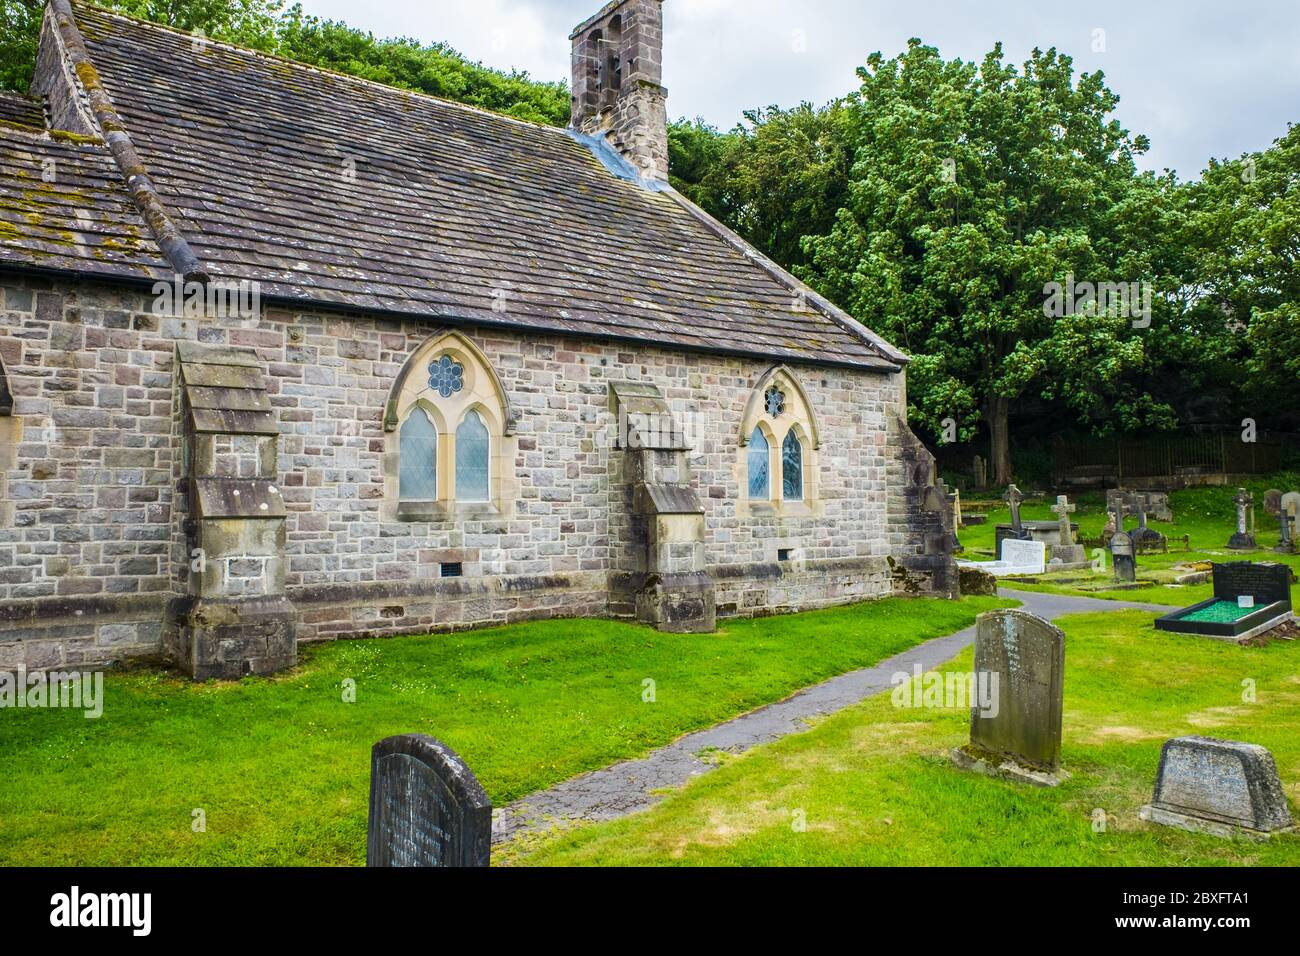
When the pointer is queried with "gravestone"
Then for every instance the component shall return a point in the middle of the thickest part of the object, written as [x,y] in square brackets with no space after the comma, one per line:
[1289,522]
[1123,556]
[1028,557]
[1249,599]
[426,806]
[1013,498]
[1223,787]
[1266,582]
[1020,737]
[1145,539]
[1243,540]
[980,473]
[1069,551]
[1273,502]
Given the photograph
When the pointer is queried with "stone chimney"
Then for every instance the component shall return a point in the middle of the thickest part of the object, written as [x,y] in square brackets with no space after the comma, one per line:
[617,77]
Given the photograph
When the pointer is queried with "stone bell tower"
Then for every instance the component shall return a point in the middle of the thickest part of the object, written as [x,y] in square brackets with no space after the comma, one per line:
[617,82]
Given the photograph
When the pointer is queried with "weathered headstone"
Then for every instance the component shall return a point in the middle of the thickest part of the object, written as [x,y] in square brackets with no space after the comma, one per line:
[426,806]
[980,473]
[1243,540]
[1289,521]
[1124,557]
[1273,502]
[1019,737]
[1222,787]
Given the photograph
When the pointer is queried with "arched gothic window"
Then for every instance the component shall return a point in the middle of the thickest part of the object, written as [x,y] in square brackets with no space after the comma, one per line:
[450,431]
[777,466]
[792,467]
[760,467]
[473,459]
[419,457]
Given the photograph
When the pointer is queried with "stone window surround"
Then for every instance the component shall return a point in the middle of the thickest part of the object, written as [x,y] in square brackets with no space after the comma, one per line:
[797,415]
[482,393]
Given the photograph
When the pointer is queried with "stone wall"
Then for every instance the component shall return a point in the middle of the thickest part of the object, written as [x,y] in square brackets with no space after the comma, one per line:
[93,544]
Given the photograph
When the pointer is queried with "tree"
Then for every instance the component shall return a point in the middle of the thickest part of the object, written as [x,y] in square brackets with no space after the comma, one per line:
[779,176]
[973,189]
[1242,244]
[20,26]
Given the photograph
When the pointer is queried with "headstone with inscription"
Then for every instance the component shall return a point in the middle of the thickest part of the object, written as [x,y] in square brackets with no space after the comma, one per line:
[1123,555]
[1243,540]
[426,806]
[1017,733]
[1223,787]
[1273,502]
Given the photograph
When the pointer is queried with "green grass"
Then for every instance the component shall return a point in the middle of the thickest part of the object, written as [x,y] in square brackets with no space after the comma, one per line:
[280,766]
[874,785]
[1206,516]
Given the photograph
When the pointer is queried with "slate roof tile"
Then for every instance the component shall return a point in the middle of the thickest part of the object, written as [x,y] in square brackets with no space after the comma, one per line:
[326,188]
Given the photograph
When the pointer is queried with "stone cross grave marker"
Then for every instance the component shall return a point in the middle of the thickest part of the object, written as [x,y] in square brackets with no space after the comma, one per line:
[1013,498]
[1223,787]
[1063,510]
[426,806]
[1124,556]
[1020,737]
[1069,551]
[1243,540]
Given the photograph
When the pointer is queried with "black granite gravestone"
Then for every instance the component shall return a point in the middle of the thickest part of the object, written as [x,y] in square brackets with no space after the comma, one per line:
[1266,582]
[426,807]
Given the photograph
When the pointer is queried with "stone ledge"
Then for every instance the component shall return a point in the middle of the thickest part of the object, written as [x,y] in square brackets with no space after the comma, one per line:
[1004,768]
[1151,813]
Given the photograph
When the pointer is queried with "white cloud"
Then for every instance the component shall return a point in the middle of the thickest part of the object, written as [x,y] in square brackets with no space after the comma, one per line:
[1201,78]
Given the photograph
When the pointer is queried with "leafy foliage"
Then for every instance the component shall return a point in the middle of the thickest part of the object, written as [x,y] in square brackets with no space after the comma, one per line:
[267,25]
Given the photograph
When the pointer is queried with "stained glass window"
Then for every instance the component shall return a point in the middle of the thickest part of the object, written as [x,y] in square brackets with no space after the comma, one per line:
[760,483]
[792,467]
[472,459]
[446,376]
[775,401]
[418,451]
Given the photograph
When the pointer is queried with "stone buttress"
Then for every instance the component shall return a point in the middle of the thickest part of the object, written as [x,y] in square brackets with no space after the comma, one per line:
[668,586]
[235,619]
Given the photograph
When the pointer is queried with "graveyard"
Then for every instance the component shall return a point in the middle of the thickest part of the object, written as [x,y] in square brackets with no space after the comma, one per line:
[1198,535]
[875,785]
[291,769]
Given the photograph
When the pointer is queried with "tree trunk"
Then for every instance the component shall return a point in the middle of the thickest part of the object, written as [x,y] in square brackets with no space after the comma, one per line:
[999,410]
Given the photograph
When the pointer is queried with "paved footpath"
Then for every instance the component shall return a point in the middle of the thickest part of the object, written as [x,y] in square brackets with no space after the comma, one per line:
[629,786]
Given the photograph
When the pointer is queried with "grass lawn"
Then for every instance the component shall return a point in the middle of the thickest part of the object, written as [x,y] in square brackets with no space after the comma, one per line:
[280,766]
[875,786]
[1206,515]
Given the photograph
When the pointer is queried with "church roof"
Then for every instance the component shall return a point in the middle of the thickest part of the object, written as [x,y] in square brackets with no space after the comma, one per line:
[339,192]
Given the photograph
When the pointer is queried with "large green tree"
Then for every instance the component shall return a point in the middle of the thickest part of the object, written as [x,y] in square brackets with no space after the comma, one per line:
[1242,246]
[973,188]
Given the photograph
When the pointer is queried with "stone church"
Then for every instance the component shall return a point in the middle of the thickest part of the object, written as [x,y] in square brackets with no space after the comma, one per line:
[291,356]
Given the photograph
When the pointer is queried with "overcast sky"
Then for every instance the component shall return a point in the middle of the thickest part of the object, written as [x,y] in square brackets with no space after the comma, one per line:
[1200,77]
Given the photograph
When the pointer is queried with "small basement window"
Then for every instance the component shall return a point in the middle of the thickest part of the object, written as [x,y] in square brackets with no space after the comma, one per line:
[783,554]
[453,569]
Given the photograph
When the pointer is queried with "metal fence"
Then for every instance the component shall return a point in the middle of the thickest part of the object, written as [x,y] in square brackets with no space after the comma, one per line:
[1174,458]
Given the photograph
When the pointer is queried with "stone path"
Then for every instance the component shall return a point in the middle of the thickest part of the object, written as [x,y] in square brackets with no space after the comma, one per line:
[629,786]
